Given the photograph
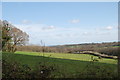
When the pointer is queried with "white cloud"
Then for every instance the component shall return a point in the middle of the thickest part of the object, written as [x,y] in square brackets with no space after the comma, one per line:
[109,27]
[53,35]
[85,33]
[48,27]
[26,21]
[106,28]
[75,21]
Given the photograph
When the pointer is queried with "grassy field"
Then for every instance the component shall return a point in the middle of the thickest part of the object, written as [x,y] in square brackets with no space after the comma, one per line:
[82,57]
[66,63]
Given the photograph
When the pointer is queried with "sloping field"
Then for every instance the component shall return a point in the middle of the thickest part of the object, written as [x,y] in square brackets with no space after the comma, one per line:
[82,57]
[67,64]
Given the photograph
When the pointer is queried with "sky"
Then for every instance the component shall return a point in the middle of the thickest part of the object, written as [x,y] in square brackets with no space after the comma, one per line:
[60,0]
[59,23]
[0,10]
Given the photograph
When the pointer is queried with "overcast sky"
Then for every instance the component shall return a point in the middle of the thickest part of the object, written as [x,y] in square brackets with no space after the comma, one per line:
[58,23]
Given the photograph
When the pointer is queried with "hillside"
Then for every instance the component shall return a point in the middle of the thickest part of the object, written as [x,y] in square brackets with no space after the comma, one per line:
[66,65]
[108,48]
[104,44]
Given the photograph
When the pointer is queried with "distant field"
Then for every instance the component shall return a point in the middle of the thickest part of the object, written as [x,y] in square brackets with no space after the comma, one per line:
[66,63]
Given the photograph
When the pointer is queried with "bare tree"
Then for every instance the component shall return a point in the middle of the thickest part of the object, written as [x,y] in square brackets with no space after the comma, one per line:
[18,38]
[12,36]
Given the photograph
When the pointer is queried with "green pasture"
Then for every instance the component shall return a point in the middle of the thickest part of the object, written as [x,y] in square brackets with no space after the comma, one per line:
[81,57]
[66,63]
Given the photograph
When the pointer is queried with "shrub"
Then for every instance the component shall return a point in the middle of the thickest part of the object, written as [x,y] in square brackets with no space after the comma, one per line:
[15,70]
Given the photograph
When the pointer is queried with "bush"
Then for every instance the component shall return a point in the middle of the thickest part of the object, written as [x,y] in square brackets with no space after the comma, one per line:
[14,70]
[96,71]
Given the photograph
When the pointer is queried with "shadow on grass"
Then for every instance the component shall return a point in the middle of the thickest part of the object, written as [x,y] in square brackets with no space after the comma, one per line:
[29,59]
[64,66]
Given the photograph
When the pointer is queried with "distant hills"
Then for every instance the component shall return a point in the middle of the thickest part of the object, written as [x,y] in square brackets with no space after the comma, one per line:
[103,44]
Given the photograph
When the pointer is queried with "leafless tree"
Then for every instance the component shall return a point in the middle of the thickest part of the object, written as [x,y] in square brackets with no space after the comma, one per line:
[18,37]
[15,37]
